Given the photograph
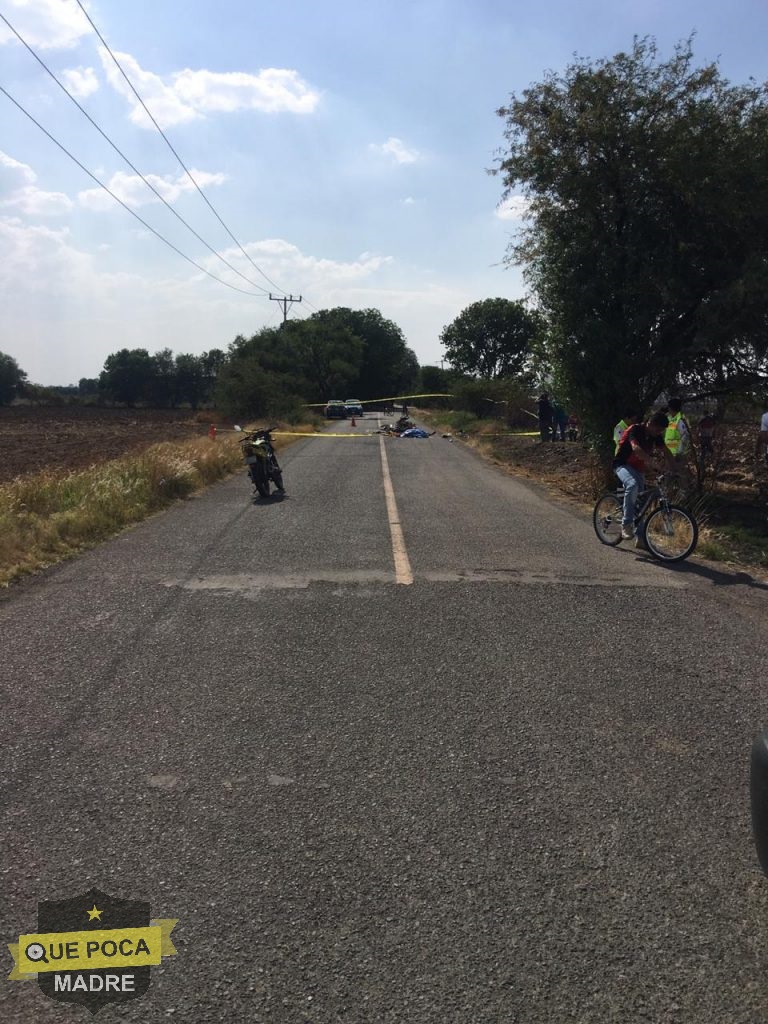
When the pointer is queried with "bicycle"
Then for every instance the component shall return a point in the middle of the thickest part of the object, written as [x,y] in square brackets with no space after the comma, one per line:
[669,532]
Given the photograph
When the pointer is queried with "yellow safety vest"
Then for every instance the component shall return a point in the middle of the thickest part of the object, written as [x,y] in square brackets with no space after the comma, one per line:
[618,430]
[677,434]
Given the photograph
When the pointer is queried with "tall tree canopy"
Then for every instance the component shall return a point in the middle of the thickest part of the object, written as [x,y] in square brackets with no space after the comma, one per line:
[492,338]
[387,366]
[647,237]
[12,377]
[128,375]
[335,353]
[278,369]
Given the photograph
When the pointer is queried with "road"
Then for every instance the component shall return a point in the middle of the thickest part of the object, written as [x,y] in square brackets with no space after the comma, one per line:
[409,745]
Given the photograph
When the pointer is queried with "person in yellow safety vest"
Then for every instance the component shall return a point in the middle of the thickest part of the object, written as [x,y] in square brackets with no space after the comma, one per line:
[621,426]
[677,436]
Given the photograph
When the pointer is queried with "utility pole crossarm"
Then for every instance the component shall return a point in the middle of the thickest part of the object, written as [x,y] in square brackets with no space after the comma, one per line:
[284,302]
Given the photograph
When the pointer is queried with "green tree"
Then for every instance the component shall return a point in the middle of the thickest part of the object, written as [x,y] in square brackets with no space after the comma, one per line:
[387,366]
[492,338]
[12,378]
[189,379]
[162,387]
[88,386]
[435,380]
[646,242]
[128,375]
[211,363]
[326,356]
[258,378]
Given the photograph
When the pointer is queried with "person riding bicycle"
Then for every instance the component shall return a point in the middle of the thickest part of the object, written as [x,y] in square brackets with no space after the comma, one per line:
[637,444]
[621,426]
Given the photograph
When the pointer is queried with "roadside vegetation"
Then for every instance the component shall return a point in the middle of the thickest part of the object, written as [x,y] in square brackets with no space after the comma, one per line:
[639,189]
[46,517]
[728,503]
[49,516]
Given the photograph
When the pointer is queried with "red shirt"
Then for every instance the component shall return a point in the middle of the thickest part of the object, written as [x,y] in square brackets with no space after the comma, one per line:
[627,456]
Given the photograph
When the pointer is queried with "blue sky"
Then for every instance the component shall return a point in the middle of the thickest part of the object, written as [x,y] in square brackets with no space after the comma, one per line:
[345,146]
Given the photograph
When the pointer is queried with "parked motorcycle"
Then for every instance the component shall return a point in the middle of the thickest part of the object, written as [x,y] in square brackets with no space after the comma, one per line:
[263,468]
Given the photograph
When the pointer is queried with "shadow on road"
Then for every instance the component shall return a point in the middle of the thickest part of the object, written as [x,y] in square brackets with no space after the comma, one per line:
[717,577]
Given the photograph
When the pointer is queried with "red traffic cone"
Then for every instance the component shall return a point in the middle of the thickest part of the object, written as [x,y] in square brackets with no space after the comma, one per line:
[354,424]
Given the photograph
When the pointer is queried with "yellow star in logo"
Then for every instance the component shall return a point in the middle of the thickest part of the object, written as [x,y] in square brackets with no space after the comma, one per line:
[95,914]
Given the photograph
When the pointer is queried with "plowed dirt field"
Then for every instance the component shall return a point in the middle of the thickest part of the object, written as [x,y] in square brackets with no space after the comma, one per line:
[71,437]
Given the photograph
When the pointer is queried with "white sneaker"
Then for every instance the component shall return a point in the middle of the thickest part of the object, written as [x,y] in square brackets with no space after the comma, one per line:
[627,532]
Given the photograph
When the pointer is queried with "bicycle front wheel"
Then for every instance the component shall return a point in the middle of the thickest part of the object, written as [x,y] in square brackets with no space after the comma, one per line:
[671,534]
[606,519]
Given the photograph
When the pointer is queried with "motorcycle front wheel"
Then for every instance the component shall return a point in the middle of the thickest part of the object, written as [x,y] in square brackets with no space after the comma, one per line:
[260,477]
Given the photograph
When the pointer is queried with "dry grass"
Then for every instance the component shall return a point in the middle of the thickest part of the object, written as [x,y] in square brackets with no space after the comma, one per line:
[45,517]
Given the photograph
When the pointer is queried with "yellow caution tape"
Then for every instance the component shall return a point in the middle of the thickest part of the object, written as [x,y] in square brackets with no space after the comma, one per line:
[373,433]
[373,401]
[291,433]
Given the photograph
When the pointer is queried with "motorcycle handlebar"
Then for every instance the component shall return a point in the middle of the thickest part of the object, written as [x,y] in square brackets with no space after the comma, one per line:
[259,433]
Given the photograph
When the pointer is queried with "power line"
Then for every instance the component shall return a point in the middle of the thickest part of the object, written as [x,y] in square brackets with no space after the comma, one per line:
[124,157]
[120,201]
[168,143]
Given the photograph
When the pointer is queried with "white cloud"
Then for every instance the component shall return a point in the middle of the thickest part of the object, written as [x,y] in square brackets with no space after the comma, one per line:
[35,202]
[47,24]
[11,169]
[19,192]
[38,259]
[81,82]
[396,149]
[288,266]
[409,201]
[513,208]
[134,193]
[188,95]
[272,90]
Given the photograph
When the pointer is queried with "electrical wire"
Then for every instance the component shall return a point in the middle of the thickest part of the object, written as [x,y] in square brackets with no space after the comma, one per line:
[170,146]
[120,153]
[117,199]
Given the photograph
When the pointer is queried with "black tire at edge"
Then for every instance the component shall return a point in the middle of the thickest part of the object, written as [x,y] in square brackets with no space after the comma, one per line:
[758,792]
[261,479]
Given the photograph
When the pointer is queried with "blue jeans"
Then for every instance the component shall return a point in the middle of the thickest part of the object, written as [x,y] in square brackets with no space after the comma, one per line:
[634,482]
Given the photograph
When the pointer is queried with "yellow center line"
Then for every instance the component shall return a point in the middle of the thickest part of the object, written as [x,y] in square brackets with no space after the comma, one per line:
[403,572]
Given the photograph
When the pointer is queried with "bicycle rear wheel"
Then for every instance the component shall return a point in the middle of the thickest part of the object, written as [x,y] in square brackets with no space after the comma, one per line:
[670,534]
[606,519]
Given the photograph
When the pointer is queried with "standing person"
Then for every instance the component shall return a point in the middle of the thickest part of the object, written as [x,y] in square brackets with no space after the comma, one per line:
[559,420]
[405,409]
[677,438]
[706,432]
[621,426]
[761,445]
[573,427]
[638,443]
[546,417]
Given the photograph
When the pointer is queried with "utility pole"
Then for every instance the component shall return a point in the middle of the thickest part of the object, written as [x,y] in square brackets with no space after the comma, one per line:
[284,303]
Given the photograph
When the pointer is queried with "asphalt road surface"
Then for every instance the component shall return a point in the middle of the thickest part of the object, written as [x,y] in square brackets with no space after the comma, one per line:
[408,745]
